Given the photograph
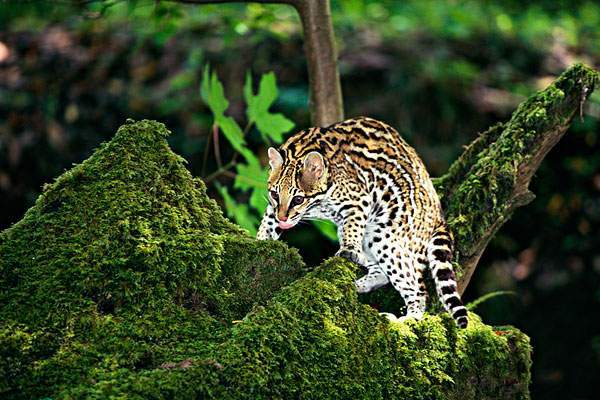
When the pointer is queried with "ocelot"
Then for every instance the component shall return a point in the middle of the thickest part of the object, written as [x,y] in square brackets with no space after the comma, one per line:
[364,177]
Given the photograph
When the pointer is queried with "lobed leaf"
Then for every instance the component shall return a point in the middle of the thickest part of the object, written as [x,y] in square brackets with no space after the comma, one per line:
[271,126]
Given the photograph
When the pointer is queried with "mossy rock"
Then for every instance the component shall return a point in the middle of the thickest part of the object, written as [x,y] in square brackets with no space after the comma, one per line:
[125,281]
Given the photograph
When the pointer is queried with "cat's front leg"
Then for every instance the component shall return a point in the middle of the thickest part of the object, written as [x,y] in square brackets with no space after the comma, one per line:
[351,233]
[268,229]
[375,279]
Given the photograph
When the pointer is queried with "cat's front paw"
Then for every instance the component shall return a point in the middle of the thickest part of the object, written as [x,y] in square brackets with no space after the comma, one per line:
[267,233]
[262,235]
[353,256]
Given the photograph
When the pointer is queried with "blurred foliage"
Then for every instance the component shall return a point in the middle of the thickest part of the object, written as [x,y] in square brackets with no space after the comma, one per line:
[439,71]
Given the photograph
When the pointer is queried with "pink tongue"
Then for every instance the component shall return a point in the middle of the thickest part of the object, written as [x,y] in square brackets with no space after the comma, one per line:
[285,225]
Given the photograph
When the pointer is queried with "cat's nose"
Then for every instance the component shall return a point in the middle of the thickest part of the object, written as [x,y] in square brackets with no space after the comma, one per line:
[283,218]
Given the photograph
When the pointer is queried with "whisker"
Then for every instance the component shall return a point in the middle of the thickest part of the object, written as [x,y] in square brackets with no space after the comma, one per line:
[313,219]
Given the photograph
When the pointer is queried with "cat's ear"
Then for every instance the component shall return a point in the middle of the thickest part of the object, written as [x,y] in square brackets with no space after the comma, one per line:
[275,159]
[314,165]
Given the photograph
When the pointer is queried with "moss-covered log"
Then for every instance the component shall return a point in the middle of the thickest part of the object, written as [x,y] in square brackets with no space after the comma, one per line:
[124,263]
[491,178]
[125,281]
[315,340]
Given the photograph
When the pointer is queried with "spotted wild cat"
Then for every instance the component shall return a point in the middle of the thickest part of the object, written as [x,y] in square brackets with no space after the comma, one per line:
[364,177]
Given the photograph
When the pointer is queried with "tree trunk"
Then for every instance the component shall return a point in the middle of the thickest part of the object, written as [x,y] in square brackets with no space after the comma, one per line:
[321,57]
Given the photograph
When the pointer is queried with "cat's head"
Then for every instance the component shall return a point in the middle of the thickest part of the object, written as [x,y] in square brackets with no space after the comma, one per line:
[295,185]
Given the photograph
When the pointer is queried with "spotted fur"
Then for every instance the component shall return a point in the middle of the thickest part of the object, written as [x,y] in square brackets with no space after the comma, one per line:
[364,177]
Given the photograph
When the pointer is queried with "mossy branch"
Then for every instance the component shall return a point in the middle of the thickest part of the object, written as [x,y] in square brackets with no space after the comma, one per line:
[491,178]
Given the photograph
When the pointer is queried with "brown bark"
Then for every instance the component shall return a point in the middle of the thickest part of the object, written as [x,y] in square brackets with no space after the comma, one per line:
[319,44]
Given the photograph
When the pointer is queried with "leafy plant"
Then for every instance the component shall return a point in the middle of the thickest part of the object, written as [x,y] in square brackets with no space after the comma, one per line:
[251,176]
[482,299]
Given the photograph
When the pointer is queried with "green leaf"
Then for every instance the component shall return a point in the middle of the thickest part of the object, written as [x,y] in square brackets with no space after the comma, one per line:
[239,212]
[248,91]
[274,126]
[327,228]
[251,175]
[267,91]
[232,132]
[472,305]
[248,155]
[258,199]
[271,126]
[213,94]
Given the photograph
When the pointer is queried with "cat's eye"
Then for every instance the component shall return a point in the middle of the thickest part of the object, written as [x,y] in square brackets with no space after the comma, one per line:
[296,200]
[274,195]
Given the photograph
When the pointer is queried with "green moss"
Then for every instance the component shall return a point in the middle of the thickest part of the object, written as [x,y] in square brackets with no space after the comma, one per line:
[447,184]
[316,340]
[125,281]
[124,262]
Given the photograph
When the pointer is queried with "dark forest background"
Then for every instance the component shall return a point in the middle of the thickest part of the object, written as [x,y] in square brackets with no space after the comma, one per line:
[439,71]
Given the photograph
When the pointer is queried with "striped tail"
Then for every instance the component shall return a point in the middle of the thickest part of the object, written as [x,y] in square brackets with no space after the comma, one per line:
[439,253]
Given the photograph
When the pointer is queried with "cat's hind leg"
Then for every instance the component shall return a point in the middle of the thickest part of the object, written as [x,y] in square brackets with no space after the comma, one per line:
[399,265]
